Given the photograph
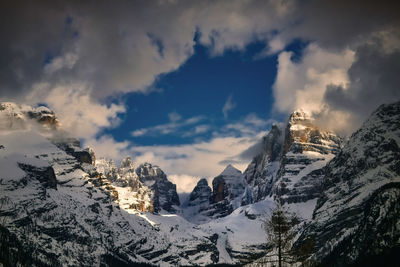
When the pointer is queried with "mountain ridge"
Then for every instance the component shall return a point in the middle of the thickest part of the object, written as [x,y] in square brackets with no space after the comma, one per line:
[65,207]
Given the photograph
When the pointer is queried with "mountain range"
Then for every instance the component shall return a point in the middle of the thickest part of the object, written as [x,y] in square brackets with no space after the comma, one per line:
[62,206]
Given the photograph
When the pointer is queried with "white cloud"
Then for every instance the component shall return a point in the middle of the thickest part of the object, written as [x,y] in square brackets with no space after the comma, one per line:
[107,147]
[203,159]
[184,183]
[228,106]
[78,113]
[303,84]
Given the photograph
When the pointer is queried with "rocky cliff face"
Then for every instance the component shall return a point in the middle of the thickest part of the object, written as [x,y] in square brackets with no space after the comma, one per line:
[306,151]
[226,195]
[228,190]
[357,218]
[261,174]
[145,188]
[290,170]
[291,167]
[200,195]
[162,192]
[132,194]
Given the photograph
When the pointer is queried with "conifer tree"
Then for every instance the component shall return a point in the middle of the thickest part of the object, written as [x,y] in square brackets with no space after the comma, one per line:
[280,233]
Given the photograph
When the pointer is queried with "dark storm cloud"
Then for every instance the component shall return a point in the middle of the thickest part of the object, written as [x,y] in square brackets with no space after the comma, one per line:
[28,33]
[374,80]
[119,46]
[338,24]
[122,46]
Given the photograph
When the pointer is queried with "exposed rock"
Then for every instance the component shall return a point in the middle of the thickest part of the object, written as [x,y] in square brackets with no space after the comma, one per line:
[133,195]
[72,146]
[127,163]
[291,167]
[162,192]
[45,175]
[201,194]
[261,173]
[227,194]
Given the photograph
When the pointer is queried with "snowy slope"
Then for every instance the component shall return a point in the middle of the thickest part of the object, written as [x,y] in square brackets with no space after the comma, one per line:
[358,215]
[57,209]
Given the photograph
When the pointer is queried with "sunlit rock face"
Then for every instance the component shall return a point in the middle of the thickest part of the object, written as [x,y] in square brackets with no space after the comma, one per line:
[357,217]
[302,135]
[132,194]
[306,151]
[162,192]
[291,167]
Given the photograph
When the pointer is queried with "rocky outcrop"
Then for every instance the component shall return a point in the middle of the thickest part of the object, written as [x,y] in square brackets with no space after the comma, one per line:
[201,194]
[44,174]
[72,146]
[133,195]
[261,173]
[356,219]
[290,169]
[227,193]
[162,192]
[145,188]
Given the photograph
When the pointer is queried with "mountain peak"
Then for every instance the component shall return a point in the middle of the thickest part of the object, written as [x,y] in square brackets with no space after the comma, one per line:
[230,171]
[299,116]
[14,116]
[127,163]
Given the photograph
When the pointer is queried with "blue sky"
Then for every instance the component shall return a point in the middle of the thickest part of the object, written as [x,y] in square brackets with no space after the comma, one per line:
[201,87]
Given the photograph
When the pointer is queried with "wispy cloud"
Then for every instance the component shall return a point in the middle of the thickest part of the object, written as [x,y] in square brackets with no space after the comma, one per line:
[228,106]
[175,125]
[250,125]
[174,116]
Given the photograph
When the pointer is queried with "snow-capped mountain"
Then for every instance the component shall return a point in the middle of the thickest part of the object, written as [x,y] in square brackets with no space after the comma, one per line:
[133,195]
[14,117]
[60,206]
[145,188]
[289,169]
[225,196]
[357,218]
[57,210]
[197,203]
[162,192]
